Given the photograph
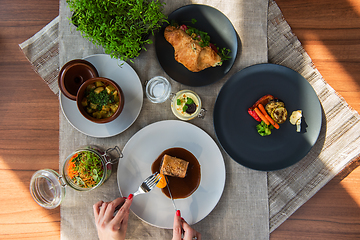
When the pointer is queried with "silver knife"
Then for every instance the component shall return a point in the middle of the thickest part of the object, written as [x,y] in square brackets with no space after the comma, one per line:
[167,185]
[172,199]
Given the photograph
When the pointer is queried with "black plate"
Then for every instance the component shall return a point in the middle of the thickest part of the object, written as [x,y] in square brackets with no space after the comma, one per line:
[221,32]
[236,129]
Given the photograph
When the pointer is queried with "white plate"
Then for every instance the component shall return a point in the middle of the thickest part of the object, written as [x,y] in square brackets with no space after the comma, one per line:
[125,76]
[142,150]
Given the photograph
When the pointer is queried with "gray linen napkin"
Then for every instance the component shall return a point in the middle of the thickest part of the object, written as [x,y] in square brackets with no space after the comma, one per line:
[287,189]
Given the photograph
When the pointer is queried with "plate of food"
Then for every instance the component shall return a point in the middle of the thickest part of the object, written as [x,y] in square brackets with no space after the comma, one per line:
[277,94]
[125,76]
[198,47]
[195,195]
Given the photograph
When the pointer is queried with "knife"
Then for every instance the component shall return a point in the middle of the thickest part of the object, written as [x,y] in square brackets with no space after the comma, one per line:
[173,202]
[167,185]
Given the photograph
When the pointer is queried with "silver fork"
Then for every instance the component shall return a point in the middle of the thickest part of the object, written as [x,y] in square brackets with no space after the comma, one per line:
[148,184]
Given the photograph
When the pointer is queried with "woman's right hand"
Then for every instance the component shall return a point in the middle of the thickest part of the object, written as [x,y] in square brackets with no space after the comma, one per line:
[181,226]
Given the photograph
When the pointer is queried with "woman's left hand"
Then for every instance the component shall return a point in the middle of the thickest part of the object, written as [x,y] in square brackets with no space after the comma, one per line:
[110,227]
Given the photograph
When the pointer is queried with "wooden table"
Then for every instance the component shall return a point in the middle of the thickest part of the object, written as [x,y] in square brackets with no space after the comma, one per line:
[29,126]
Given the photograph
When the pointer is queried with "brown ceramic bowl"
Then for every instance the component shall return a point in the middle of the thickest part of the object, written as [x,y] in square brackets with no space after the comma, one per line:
[73,74]
[81,95]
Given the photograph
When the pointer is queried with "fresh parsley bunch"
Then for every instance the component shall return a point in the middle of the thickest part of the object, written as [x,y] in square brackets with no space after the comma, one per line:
[121,27]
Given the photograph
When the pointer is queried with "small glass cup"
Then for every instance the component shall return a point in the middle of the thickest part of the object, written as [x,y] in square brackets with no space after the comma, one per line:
[177,109]
[158,89]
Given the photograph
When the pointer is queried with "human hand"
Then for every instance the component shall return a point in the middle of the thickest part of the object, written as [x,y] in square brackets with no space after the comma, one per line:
[181,226]
[110,227]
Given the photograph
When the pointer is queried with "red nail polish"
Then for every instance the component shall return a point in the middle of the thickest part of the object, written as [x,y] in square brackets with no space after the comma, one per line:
[130,197]
[178,213]
[183,219]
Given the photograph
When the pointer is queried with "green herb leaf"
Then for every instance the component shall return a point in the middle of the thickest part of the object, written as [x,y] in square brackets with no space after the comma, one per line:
[178,101]
[193,20]
[224,53]
[185,107]
[100,99]
[189,101]
[203,37]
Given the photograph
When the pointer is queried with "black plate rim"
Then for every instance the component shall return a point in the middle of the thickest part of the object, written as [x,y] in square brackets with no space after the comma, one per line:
[242,72]
[205,76]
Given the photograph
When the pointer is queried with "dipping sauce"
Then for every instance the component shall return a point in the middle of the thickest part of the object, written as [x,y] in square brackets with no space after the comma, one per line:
[180,187]
[186,105]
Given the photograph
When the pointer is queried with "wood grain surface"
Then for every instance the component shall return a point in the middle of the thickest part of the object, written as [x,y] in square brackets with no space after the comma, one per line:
[29,127]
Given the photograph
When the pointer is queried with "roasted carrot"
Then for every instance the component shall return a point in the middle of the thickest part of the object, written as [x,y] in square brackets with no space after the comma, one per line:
[263,111]
[258,112]
[272,121]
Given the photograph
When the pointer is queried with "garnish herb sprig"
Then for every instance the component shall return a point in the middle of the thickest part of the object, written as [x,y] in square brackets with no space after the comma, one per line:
[195,34]
[100,99]
[120,26]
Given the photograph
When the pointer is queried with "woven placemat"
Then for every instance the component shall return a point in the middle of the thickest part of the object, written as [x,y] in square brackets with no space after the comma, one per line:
[289,188]
[339,137]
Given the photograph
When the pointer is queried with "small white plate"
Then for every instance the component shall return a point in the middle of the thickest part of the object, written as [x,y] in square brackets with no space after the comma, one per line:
[125,76]
[142,150]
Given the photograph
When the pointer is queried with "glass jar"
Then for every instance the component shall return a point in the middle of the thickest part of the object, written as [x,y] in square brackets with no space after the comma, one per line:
[179,100]
[47,187]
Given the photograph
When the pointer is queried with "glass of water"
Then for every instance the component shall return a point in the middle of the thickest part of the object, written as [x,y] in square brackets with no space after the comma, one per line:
[158,89]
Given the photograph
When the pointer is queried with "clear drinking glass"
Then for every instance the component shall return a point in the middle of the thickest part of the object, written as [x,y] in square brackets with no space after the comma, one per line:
[158,89]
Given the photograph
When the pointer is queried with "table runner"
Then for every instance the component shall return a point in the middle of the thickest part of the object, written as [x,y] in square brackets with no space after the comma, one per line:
[243,207]
[287,189]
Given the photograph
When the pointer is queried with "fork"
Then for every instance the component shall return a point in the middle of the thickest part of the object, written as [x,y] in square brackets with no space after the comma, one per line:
[148,184]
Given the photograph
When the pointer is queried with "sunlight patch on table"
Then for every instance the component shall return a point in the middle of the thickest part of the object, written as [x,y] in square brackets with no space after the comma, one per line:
[322,57]
[352,185]
[19,209]
[355,5]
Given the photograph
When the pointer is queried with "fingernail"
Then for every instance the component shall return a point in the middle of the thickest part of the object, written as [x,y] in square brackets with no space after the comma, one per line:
[178,213]
[183,219]
[130,197]
[124,197]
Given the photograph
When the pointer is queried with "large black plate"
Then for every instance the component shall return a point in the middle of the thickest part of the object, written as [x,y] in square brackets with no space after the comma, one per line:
[221,32]
[236,129]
